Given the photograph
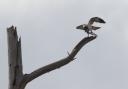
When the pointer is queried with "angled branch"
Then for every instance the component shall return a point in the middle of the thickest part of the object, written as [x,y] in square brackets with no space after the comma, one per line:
[59,63]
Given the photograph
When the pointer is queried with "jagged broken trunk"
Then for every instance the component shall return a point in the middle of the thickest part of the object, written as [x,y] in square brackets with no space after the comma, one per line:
[16,76]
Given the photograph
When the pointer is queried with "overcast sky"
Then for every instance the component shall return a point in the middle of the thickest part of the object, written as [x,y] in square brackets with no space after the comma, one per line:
[47,28]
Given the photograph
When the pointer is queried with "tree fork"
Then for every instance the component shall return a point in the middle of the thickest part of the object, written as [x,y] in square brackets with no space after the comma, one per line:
[18,80]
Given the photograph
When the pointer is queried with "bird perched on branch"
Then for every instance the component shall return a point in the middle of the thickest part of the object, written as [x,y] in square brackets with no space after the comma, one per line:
[88,27]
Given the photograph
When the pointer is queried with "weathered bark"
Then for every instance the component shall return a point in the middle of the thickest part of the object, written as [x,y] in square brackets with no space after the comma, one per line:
[14,58]
[18,80]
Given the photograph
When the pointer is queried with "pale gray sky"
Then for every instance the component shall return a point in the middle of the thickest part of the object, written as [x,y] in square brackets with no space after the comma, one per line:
[47,28]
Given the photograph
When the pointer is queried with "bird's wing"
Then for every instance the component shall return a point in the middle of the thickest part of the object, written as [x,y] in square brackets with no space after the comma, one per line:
[79,27]
[96,19]
[95,28]
[82,27]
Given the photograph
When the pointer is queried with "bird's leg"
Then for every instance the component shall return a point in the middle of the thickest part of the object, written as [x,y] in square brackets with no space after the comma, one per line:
[93,34]
[88,34]
[90,31]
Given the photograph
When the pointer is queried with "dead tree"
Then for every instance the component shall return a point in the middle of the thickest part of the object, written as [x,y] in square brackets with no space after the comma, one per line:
[18,80]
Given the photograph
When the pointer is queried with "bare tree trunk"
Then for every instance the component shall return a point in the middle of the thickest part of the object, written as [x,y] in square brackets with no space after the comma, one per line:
[14,59]
[18,80]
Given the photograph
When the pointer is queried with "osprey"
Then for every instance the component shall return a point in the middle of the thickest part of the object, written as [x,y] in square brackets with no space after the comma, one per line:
[88,27]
